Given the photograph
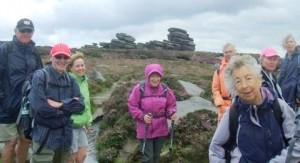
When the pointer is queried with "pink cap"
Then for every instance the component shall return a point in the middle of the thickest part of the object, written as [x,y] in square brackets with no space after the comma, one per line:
[60,48]
[268,52]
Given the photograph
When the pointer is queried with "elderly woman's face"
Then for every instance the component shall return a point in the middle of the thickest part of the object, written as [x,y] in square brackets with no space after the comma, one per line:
[228,53]
[247,85]
[290,45]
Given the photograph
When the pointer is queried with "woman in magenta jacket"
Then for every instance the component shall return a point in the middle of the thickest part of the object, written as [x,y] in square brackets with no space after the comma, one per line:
[150,109]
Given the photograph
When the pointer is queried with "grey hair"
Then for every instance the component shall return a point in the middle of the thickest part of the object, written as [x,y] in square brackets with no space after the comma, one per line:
[227,45]
[286,38]
[237,62]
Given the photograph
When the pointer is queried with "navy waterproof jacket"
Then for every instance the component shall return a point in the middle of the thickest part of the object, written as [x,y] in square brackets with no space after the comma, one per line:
[14,68]
[52,126]
[289,78]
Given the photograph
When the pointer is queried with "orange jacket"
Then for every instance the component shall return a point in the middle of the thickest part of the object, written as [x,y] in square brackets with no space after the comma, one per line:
[219,90]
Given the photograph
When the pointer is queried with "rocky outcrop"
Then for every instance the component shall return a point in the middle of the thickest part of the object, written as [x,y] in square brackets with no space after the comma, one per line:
[124,41]
[178,39]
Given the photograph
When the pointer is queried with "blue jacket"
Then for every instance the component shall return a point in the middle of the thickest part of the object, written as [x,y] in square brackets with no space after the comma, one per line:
[289,79]
[13,71]
[259,136]
[56,123]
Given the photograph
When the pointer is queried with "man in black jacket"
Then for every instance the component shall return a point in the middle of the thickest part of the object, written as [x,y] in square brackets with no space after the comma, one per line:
[18,60]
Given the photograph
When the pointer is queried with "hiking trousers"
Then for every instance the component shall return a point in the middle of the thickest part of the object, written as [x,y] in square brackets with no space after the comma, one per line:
[152,149]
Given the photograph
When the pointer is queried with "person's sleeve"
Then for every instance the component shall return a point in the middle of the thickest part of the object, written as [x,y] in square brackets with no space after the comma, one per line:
[216,151]
[216,90]
[89,115]
[171,103]
[133,104]
[71,105]
[289,129]
[3,62]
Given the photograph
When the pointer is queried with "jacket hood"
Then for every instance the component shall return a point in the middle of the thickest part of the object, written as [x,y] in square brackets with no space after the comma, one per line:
[153,68]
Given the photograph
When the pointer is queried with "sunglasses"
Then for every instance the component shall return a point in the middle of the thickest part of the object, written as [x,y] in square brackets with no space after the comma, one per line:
[62,56]
[26,30]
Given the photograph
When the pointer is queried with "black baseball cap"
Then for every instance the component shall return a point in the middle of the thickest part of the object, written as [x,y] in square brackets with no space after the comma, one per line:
[25,24]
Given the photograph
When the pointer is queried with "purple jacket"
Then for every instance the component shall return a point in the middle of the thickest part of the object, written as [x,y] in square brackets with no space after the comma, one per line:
[159,107]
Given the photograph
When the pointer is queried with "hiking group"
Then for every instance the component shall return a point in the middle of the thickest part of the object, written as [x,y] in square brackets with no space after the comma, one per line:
[257,111]
[48,107]
[258,115]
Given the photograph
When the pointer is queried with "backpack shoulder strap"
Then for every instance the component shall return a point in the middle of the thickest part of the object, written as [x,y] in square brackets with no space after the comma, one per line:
[142,89]
[218,71]
[217,68]
[233,126]
[8,48]
[278,116]
[165,87]
[38,58]
[46,76]
[277,111]
[68,78]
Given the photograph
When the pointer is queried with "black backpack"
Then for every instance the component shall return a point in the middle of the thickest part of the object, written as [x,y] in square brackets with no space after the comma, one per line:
[25,117]
[142,90]
[233,125]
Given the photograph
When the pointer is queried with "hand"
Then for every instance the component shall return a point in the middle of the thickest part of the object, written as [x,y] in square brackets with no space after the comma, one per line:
[56,105]
[173,117]
[147,118]
[298,101]
[88,129]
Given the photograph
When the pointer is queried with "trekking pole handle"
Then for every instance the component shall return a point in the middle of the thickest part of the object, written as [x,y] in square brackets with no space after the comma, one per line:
[147,118]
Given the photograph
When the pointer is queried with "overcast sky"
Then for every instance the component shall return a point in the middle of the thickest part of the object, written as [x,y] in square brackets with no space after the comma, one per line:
[250,25]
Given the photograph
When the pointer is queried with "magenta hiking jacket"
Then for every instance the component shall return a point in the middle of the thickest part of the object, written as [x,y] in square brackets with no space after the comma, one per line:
[154,103]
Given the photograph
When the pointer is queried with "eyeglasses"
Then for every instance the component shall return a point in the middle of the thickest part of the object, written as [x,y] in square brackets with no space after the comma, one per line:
[62,56]
[26,30]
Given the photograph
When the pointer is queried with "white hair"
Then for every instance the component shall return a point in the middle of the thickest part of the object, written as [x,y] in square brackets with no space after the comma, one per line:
[227,45]
[237,62]
[286,38]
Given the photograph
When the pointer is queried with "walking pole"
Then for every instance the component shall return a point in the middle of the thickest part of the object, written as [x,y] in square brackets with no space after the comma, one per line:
[145,138]
[171,140]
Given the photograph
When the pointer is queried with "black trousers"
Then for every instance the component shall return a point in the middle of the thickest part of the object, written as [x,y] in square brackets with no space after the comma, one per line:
[152,149]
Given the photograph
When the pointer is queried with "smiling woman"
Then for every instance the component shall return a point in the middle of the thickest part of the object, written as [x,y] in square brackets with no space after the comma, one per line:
[257,128]
[81,122]
[150,104]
